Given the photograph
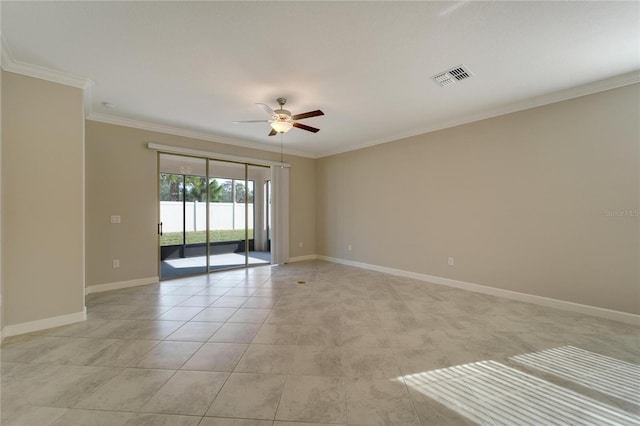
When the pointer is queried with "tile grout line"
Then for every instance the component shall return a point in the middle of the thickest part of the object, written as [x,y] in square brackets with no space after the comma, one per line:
[230,373]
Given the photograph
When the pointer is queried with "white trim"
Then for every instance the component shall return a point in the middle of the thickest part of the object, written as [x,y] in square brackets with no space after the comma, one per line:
[193,134]
[214,155]
[508,294]
[98,288]
[551,98]
[9,63]
[44,324]
[303,258]
[563,95]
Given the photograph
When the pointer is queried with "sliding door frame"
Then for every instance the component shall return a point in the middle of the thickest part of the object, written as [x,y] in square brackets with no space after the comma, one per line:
[208,159]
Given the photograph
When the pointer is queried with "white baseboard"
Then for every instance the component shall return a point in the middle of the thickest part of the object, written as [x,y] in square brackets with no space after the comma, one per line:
[121,284]
[508,294]
[303,258]
[43,324]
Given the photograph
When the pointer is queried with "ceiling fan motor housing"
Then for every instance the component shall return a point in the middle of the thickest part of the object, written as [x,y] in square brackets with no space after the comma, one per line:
[282,114]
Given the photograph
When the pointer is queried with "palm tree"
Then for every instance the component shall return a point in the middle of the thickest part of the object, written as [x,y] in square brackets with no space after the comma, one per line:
[170,187]
[215,191]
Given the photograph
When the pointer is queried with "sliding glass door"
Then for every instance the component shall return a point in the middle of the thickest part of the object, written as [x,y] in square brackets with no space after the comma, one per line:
[237,235]
[258,182]
[227,215]
[183,245]
[213,215]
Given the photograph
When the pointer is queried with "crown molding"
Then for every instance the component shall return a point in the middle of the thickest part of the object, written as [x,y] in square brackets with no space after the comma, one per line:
[193,134]
[550,98]
[9,63]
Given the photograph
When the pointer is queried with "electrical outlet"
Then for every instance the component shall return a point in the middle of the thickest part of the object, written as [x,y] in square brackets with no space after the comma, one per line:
[300,244]
[115,219]
[116,263]
[450,261]
[349,247]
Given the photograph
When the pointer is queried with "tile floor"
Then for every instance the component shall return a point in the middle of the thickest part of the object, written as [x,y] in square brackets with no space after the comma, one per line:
[350,346]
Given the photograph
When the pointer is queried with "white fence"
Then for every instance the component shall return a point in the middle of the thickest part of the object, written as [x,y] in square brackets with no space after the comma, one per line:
[221,216]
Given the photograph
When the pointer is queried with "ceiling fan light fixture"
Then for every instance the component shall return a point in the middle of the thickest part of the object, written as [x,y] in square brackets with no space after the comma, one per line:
[281,119]
[282,126]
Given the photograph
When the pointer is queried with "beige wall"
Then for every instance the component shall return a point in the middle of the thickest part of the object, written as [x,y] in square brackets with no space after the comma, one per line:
[42,199]
[121,180]
[519,201]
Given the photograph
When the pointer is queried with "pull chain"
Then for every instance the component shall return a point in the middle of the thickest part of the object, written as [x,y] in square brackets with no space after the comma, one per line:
[281,157]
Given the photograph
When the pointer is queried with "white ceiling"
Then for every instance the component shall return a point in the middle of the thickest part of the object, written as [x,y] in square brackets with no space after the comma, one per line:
[198,66]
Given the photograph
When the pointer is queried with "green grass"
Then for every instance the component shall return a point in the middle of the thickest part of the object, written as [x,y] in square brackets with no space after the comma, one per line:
[194,237]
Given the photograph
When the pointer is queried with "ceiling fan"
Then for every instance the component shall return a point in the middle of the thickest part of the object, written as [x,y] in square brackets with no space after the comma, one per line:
[282,121]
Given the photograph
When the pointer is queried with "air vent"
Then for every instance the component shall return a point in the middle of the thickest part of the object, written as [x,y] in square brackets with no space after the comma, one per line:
[452,76]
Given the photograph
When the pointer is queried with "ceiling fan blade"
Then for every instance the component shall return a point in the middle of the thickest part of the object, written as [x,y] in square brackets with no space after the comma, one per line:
[273,133]
[309,114]
[251,121]
[266,108]
[305,127]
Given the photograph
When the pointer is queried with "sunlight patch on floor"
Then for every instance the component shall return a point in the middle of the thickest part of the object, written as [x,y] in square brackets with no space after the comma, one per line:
[492,393]
[602,373]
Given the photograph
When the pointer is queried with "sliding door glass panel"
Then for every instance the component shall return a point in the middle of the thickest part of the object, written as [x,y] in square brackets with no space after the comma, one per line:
[257,214]
[243,219]
[227,207]
[183,248]
[196,219]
